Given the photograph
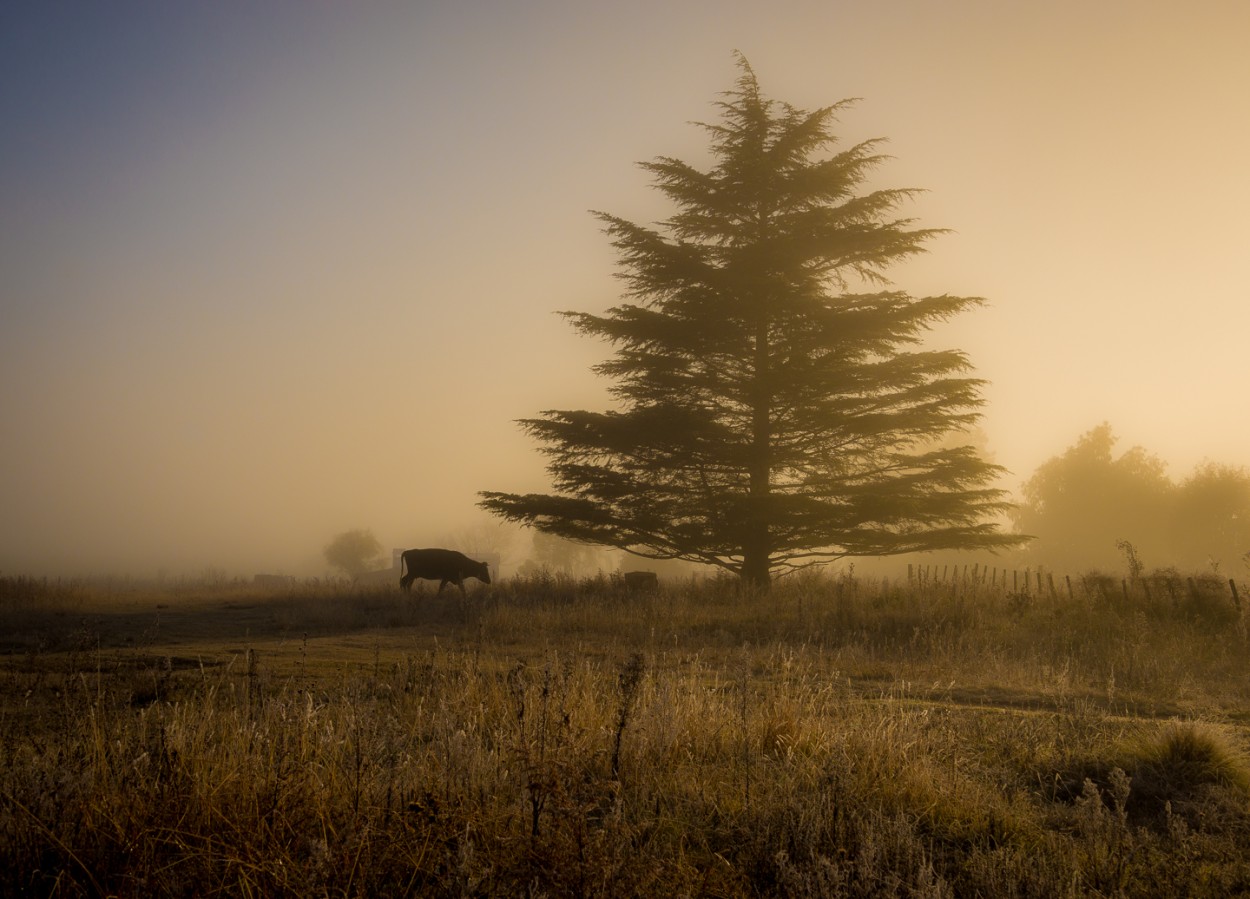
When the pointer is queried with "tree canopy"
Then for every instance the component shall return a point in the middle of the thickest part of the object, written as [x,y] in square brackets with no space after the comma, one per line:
[353,552]
[1210,519]
[776,404]
[1083,504]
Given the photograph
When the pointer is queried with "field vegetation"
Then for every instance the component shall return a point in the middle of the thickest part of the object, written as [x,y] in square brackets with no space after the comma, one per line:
[842,736]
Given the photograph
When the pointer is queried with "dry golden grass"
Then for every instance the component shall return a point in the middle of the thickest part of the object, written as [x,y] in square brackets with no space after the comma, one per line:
[834,738]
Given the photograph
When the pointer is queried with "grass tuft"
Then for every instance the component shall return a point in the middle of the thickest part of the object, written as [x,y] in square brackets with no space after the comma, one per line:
[1181,762]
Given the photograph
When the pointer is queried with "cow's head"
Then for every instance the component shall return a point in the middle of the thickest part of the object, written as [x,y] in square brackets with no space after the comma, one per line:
[483,573]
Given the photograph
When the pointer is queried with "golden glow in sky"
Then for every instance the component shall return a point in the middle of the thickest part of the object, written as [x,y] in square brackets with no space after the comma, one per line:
[267,274]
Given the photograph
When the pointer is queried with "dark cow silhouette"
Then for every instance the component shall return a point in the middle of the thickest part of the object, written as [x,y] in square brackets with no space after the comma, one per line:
[444,565]
[641,581]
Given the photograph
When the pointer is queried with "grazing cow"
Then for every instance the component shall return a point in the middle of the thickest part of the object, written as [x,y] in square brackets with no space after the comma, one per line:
[641,581]
[444,565]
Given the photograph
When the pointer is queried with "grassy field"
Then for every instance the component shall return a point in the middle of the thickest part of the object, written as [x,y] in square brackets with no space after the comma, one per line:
[837,737]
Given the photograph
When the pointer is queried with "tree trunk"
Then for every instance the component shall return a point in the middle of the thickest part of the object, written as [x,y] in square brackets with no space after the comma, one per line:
[756,546]
[755,569]
[757,549]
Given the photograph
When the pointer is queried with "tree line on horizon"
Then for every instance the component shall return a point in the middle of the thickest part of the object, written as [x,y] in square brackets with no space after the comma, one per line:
[1086,507]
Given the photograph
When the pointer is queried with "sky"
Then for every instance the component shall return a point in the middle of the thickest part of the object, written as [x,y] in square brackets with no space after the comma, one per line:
[272,271]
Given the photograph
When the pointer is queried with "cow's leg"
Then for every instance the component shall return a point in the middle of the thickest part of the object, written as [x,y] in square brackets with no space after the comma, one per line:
[405,583]
[441,585]
[460,584]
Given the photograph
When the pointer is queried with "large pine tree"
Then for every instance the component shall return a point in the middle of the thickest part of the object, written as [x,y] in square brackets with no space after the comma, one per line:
[775,405]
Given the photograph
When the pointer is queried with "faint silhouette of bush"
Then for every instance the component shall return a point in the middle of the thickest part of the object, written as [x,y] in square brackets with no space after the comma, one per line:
[1208,601]
[354,552]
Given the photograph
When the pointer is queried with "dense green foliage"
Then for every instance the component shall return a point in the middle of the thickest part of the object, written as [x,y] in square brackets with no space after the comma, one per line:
[776,406]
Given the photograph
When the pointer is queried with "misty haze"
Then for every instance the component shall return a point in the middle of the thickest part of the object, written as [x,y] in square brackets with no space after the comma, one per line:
[550,449]
[267,276]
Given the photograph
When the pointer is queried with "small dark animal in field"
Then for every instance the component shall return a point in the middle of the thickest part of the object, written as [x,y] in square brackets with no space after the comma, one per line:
[641,581]
[444,565]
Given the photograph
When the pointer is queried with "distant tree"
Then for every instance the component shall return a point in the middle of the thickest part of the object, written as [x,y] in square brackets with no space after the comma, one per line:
[354,552]
[559,556]
[1210,520]
[1080,506]
[776,407]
